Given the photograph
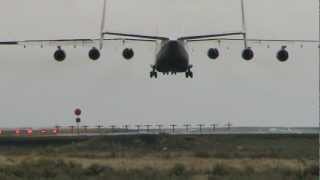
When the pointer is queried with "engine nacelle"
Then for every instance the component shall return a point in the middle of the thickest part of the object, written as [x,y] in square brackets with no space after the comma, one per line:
[128,53]
[283,54]
[94,54]
[213,53]
[247,54]
[59,55]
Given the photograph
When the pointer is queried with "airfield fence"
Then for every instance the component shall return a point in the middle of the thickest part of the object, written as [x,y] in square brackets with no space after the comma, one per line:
[171,129]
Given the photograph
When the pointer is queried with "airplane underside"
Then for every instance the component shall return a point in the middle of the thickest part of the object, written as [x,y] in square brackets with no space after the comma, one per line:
[172,59]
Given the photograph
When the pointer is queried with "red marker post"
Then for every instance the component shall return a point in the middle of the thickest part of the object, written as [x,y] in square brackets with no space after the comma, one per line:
[78,112]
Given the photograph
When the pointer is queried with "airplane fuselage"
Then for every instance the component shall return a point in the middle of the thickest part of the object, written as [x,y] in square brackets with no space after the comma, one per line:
[172,57]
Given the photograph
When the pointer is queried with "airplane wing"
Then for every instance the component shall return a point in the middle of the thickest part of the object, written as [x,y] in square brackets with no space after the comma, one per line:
[220,38]
[201,37]
[137,36]
[255,41]
[248,53]
[68,42]
[94,53]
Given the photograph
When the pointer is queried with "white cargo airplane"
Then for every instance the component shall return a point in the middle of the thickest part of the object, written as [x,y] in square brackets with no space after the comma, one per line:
[172,56]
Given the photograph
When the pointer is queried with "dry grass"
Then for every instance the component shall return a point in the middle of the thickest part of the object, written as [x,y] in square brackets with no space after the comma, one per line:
[191,163]
[161,157]
[197,164]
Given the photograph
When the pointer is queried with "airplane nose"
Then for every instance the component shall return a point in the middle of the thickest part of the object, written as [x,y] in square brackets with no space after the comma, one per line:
[173,44]
[173,48]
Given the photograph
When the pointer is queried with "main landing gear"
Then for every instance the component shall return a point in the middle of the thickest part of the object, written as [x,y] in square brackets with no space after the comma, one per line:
[189,73]
[153,73]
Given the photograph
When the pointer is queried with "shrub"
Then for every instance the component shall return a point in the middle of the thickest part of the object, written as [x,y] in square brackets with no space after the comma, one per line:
[96,169]
[178,169]
[149,139]
[220,169]
[248,170]
[312,170]
[202,154]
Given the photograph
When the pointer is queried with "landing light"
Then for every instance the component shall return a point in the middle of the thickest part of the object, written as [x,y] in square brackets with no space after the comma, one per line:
[17,131]
[29,131]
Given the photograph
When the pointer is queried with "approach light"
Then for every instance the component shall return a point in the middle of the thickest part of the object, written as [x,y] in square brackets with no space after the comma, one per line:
[247,54]
[29,131]
[59,55]
[17,131]
[283,54]
[94,54]
[128,53]
[213,53]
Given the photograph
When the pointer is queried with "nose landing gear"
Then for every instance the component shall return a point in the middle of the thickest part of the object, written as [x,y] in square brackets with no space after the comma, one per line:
[153,74]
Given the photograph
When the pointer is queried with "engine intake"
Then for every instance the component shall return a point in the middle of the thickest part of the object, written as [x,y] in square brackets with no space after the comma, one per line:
[60,55]
[247,54]
[128,53]
[213,53]
[94,54]
[283,54]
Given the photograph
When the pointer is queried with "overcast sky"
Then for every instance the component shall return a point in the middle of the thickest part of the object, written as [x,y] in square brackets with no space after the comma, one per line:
[37,91]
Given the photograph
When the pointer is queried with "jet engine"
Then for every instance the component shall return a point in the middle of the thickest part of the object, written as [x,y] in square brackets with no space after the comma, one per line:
[94,54]
[128,53]
[60,55]
[247,54]
[283,54]
[213,53]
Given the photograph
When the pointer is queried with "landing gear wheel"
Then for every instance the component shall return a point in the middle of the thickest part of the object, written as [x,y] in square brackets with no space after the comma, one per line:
[153,74]
[189,74]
